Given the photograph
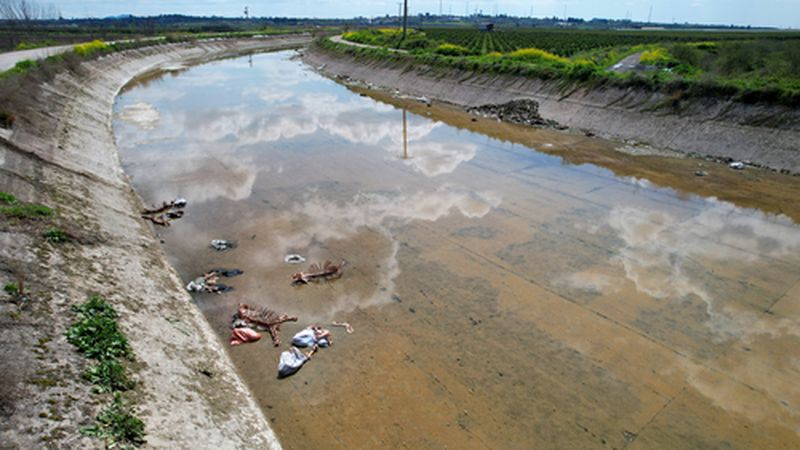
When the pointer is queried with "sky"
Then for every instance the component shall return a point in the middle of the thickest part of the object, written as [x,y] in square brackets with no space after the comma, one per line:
[778,13]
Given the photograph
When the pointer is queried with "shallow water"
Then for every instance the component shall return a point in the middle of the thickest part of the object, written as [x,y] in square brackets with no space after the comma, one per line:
[501,296]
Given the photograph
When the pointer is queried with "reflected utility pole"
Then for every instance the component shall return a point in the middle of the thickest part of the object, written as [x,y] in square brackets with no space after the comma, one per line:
[405,136]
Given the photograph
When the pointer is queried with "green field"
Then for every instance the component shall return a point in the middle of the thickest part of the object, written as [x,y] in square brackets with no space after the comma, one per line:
[570,42]
[762,66]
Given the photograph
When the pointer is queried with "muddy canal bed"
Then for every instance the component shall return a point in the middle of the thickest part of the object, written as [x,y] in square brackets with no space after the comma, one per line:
[501,296]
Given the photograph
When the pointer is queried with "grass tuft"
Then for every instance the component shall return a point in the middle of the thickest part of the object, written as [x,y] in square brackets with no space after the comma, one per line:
[56,235]
[11,289]
[117,425]
[21,210]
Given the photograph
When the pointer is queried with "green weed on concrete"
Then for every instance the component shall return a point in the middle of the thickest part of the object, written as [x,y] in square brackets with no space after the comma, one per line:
[20,210]
[97,336]
[56,235]
[117,425]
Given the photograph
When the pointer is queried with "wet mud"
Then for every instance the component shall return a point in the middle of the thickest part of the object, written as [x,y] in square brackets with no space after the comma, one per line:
[509,287]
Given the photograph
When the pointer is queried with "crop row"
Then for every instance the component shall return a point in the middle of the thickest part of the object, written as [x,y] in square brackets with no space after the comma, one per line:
[570,42]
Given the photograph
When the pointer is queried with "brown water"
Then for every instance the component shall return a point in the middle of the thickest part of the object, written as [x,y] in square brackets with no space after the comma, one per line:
[503,296]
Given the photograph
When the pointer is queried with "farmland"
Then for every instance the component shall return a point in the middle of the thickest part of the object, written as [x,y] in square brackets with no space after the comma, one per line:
[570,42]
[747,66]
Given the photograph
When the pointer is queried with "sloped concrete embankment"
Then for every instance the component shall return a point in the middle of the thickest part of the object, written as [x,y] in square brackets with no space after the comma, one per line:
[62,153]
[763,134]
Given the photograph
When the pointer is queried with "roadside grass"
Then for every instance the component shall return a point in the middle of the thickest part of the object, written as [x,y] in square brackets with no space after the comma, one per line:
[97,336]
[90,48]
[416,41]
[33,45]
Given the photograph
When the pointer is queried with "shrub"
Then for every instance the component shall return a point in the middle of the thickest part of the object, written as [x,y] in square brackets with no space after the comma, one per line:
[658,57]
[537,55]
[736,58]
[451,50]
[687,54]
[90,48]
[582,71]
[707,46]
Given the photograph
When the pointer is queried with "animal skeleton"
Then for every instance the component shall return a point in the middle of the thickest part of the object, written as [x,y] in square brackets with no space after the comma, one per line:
[328,271]
[265,318]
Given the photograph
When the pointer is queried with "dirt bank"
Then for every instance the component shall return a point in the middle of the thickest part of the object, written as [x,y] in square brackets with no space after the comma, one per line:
[62,153]
[761,134]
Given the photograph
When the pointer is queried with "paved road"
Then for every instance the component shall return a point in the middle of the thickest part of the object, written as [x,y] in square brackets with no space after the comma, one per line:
[8,60]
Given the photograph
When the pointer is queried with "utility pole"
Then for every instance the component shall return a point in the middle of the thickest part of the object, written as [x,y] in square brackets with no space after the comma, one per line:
[405,19]
[399,12]
[246,13]
[650,15]
[440,7]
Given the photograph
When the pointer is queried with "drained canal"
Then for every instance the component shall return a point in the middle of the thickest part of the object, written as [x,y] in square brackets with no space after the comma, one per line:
[501,296]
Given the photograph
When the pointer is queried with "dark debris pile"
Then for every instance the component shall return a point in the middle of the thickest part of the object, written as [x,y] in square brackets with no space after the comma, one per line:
[522,111]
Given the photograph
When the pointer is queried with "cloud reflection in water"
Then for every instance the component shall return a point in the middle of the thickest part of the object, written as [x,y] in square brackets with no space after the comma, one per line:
[659,251]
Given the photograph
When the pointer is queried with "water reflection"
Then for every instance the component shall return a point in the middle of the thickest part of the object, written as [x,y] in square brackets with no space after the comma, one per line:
[321,219]
[621,293]
[432,158]
[662,255]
